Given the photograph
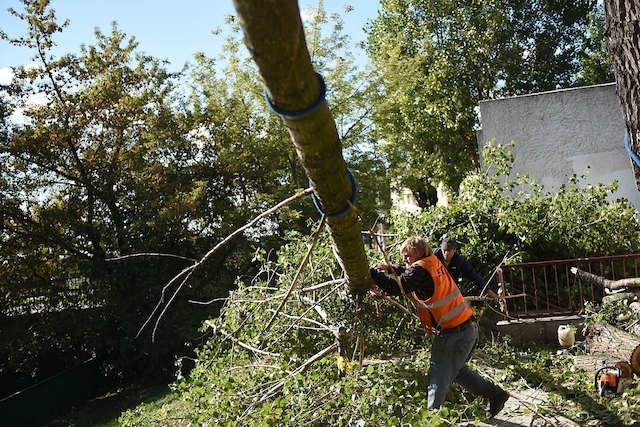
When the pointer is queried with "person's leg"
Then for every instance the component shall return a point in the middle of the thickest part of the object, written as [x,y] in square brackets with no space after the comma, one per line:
[475,383]
[440,373]
[480,386]
[449,354]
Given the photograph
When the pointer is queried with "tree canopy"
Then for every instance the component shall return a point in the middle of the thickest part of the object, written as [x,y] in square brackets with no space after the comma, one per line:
[437,60]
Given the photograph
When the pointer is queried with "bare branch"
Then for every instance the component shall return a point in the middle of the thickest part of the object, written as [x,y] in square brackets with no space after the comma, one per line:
[314,240]
[240,343]
[150,254]
[273,390]
[208,255]
[322,326]
[307,310]
[384,253]
[323,285]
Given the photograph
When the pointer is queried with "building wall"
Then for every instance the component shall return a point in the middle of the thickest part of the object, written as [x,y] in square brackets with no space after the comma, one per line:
[562,132]
[403,200]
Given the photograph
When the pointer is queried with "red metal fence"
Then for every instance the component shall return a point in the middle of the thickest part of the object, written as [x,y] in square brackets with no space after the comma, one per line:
[548,288]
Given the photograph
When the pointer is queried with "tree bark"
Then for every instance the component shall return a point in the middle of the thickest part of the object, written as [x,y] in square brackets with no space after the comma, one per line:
[607,339]
[633,282]
[275,38]
[623,34]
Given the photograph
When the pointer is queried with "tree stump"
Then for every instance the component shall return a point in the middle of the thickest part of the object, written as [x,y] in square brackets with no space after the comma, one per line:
[604,338]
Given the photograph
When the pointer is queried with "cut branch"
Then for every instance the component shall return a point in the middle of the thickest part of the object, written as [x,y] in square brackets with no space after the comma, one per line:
[606,283]
[607,339]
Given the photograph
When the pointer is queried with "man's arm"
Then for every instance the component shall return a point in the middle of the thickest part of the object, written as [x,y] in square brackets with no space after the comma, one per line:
[414,279]
[470,274]
[385,280]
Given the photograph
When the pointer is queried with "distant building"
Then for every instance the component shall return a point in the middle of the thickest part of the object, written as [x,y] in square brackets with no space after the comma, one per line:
[563,132]
[404,200]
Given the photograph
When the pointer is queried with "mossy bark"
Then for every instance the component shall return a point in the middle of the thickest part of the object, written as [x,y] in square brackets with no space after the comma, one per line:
[275,37]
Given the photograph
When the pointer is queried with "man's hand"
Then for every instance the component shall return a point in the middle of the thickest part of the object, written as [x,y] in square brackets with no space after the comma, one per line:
[376,294]
[382,266]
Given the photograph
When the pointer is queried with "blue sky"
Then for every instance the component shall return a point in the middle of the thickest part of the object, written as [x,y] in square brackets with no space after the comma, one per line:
[172,30]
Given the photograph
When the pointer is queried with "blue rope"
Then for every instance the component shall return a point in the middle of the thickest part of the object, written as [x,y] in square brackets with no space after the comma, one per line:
[354,195]
[633,155]
[300,113]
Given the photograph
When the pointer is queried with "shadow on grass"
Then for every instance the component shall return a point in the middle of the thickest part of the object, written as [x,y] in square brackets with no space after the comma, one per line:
[104,410]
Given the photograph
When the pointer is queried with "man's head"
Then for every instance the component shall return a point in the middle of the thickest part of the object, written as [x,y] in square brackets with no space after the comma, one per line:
[414,248]
[448,247]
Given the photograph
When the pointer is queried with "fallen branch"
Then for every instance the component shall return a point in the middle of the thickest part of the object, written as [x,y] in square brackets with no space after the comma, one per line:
[314,304]
[300,291]
[385,297]
[476,298]
[240,343]
[606,283]
[321,326]
[189,270]
[495,270]
[299,369]
[279,384]
[304,262]
[534,411]
[322,285]
[150,254]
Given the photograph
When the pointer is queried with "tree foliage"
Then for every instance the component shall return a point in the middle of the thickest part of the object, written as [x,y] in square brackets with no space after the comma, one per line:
[596,66]
[245,374]
[437,60]
[101,167]
[122,157]
[495,216]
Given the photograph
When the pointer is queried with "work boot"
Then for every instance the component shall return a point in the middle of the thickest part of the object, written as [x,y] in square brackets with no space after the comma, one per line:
[496,403]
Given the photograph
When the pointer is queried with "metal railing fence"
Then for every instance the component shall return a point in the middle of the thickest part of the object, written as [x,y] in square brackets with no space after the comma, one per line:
[548,288]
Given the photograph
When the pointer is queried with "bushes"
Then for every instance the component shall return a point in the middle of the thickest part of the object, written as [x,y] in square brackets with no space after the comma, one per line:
[497,216]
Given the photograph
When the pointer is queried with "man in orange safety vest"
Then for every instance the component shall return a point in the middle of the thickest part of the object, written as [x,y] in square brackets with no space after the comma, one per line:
[443,310]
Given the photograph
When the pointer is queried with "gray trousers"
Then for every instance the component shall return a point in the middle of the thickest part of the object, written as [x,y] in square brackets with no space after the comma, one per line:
[450,353]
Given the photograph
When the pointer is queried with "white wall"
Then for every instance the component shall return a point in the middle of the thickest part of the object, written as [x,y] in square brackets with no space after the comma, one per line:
[563,132]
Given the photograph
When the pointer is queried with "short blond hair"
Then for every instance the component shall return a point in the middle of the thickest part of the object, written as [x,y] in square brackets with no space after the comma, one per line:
[417,246]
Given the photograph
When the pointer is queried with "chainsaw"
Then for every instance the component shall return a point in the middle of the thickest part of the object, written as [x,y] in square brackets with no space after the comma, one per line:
[613,379]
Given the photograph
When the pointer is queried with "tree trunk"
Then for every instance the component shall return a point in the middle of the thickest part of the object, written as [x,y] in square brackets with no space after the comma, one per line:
[623,34]
[275,37]
[604,338]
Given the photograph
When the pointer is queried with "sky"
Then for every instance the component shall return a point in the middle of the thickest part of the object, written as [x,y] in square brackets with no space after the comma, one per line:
[172,30]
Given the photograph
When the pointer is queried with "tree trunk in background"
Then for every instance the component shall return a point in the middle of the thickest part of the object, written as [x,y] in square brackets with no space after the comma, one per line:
[623,34]
[275,37]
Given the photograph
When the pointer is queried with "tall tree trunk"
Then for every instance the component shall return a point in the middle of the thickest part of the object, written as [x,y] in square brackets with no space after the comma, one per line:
[275,37]
[623,34]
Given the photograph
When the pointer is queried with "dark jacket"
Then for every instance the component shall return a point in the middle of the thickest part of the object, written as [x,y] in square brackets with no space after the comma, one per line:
[414,279]
[458,268]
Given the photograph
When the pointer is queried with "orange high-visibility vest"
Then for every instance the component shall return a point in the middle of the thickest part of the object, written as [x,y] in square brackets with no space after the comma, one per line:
[446,307]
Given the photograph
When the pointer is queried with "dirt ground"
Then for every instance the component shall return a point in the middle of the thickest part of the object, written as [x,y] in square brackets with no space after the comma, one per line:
[519,411]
